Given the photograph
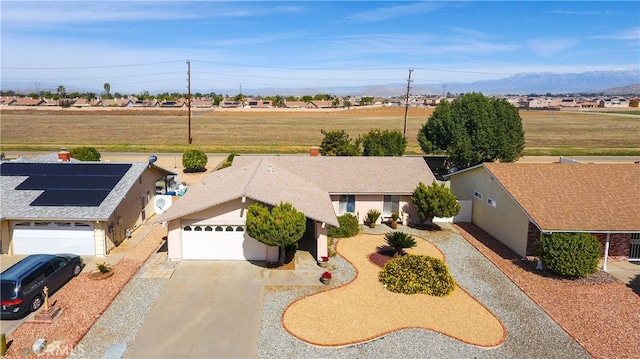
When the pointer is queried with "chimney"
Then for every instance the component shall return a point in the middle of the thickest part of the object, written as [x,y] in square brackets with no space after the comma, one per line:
[314,151]
[64,155]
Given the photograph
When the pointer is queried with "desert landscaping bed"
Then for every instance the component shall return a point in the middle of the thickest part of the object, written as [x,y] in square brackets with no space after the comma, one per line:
[603,315]
[349,307]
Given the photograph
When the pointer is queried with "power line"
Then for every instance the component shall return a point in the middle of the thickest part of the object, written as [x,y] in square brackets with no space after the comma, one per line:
[89,67]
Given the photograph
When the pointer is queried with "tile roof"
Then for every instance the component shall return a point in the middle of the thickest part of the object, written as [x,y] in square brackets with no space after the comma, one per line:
[574,197]
[258,180]
[353,175]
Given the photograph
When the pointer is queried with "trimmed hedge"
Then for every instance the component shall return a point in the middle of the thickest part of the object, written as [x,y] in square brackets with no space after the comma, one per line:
[569,254]
[349,227]
[413,274]
[194,161]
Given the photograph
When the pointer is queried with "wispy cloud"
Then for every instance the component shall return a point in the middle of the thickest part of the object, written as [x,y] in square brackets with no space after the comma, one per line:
[630,34]
[573,12]
[550,47]
[391,12]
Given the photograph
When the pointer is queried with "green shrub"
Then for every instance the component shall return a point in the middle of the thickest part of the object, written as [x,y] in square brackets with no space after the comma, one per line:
[569,254]
[399,241]
[103,267]
[349,227]
[85,154]
[194,161]
[229,161]
[414,274]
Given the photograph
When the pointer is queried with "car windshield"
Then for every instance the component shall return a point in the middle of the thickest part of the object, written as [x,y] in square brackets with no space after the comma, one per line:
[8,289]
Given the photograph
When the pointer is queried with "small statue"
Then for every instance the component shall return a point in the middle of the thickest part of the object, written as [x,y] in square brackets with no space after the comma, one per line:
[46,298]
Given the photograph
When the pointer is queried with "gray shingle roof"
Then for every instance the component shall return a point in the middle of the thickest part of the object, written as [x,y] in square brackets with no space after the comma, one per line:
[353,175]
[15,204]
[257,180]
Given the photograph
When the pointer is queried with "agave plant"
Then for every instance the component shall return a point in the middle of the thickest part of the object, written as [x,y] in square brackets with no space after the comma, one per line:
[399,241]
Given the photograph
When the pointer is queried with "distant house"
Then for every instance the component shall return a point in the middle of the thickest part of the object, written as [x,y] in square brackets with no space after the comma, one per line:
[202,102]
[634,102]
[7,101]
[296,104]
[321,104]
[146,103]
[568,102]
[613,102]
[517,202]
[27,101]
[229,103]
[535,103]
[117,102]
[54,204]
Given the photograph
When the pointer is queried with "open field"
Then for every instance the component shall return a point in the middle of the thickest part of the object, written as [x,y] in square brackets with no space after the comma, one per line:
[288,131]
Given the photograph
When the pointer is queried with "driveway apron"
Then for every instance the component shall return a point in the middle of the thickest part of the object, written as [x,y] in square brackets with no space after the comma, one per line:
[207,310]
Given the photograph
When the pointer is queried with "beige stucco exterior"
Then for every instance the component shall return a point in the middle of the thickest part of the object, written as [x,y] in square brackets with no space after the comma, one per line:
[229,213]
[366,202]
[505,220]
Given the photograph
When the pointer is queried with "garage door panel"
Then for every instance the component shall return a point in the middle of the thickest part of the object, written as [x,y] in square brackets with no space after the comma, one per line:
[52,239]
[221,245]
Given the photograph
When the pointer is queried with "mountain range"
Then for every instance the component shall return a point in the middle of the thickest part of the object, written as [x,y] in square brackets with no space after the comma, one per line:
[613,82]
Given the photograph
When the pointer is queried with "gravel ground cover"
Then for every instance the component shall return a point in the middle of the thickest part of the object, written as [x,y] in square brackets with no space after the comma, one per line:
[531,333]
[600,312]
[83,300]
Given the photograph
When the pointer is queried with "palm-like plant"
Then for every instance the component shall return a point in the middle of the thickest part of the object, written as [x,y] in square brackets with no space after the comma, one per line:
[373,215]
[399,241]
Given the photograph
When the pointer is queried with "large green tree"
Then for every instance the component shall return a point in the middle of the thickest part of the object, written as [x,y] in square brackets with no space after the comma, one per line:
[473,129]
[85,154]
[383,143]
[338,143]
[435,201]
[282,226]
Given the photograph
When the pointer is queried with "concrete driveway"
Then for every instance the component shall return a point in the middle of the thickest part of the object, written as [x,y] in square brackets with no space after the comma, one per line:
[207,310]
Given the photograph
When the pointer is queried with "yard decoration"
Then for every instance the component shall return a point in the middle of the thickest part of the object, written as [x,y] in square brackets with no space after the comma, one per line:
[394,219]
[103,271]
[326,277]
[372,216]
[323,261]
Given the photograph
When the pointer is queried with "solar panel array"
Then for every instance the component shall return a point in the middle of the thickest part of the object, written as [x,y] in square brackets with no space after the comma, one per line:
[67,184]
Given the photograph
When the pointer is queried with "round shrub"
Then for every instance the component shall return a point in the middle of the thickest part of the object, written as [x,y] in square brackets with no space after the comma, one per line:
[194,161]
[413,274]
[569,254]
[349,227]
[85,154]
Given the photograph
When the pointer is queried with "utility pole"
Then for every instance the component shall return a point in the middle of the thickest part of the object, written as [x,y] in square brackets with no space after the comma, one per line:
[189,98]
[406,104]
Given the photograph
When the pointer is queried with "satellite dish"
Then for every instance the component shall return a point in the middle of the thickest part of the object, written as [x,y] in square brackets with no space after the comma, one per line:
[160,202]
[152,160]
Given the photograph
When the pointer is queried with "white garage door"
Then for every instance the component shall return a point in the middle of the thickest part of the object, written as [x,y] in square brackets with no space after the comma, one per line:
[53,237]
[220,242]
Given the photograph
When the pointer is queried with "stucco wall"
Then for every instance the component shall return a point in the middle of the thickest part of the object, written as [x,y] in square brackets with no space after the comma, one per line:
[365,202]
[506,222]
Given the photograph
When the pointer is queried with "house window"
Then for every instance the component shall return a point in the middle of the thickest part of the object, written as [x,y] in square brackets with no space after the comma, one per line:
[347,204]
[477,194]
[229,229]
[239,229]
[635,236]
[391,204]
[219,229]
[491,202]
[208,229]
[197,229]
[187,228]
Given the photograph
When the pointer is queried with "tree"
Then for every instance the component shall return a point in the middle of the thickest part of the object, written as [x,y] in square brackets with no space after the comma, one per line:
[338,143]
[306,98]
[366,100]
[194,161]
[383,143]
[473,129]
[435,201]
[61,91]
[107,90]
[282,226]
[85,154]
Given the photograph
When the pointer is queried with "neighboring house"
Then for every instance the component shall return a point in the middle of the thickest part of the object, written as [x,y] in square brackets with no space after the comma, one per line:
[202,102]
[53,204]
[634,102]
[517,202]
[613,102]
[209,221]
[117,102]
[321,104]
[27,101]
[296,104]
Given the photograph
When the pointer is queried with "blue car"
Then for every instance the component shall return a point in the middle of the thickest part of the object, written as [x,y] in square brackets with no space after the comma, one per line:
[22,284]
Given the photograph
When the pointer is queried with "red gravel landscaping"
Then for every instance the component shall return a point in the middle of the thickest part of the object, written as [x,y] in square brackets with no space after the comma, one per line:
[600,312]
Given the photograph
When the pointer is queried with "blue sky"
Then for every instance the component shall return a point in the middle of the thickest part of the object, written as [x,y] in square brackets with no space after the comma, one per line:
[143,46]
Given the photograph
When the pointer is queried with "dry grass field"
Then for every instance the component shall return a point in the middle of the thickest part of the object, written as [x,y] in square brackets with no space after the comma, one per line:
[287,131]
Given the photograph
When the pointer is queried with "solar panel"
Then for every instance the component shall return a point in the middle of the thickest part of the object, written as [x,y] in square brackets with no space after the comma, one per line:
[67,184]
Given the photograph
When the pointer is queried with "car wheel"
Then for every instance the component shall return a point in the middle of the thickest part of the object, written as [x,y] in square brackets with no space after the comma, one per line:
[77,269]
[36,303]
